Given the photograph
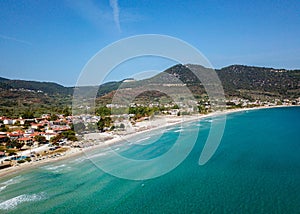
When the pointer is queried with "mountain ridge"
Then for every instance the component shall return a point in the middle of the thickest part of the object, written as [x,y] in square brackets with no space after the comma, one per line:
[249,82]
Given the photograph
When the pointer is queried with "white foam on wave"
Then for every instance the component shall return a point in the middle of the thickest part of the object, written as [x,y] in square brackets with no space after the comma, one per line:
[78,160]
[2,188]
[56,169]
[51,167]
[11,181]
[96,155]
[14,202]
[143,139]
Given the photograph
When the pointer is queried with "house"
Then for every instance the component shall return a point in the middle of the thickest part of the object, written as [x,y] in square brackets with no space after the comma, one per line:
[22,121]
[46,116]
[59,129]
[15,135]
[32,134]
[48,135]
[37,125]
[44,122]
[25,140]
[8,121]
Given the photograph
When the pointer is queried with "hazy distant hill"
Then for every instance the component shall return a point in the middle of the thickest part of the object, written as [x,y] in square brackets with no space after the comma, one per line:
[45,87]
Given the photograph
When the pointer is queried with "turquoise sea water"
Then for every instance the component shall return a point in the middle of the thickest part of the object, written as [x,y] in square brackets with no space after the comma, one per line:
[256,169]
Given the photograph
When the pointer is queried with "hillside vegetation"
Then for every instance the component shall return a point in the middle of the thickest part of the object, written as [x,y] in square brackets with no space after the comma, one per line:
[19,96]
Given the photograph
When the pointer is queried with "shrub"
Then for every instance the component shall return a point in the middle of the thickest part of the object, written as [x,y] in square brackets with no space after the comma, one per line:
[21,161]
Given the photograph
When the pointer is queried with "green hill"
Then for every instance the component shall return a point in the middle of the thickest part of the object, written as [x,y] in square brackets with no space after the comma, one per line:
[45,87]
[17,96]
[237,80]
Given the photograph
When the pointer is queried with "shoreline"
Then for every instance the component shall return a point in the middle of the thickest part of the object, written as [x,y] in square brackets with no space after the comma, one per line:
[118,138]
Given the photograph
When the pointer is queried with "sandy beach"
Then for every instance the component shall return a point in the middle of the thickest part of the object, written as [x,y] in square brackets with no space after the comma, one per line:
[161,122]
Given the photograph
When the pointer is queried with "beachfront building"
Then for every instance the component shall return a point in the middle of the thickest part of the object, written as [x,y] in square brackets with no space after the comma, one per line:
[25,140]
[37,125]
[49,135]
[8,121]
[15,135]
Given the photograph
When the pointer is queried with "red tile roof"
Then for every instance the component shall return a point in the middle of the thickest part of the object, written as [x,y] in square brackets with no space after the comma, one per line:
[14,134]
[24,139]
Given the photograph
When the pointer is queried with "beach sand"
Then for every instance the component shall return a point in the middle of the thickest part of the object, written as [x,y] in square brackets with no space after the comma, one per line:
[160,122]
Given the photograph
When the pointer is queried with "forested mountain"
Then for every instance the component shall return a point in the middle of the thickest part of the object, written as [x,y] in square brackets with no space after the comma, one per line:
[43,87]
[237,80]
[258,82]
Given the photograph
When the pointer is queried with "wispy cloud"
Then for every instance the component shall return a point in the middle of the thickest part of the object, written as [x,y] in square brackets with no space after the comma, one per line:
[14,39]
[94,12]
[116,12]
[103,13]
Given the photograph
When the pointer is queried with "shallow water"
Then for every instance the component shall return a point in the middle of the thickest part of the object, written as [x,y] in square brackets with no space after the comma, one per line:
[256,169]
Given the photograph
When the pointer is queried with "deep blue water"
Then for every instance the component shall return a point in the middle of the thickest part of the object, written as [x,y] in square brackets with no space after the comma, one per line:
[256,169]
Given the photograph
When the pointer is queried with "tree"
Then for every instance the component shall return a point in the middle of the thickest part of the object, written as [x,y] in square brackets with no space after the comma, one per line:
[112,128]
[72,138]
[11,144]
[79,127]
[104,122]
[40,139]
[14,144]
[175,106]
[66,111]
[17,123]
[103,111]
[122,126]
[202,109]
[28,114]
[53,117]
[142,111]
[69,135]
[3,128]
[56,138]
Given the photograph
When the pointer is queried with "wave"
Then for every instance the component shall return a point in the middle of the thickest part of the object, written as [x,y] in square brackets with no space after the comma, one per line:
[2,188]
[14,202]
[78,160]
[146,138]
[11,181]
[96,155]
[51,167]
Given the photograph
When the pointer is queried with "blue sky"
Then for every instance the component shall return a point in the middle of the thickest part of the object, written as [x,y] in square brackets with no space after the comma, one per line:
[53,40]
